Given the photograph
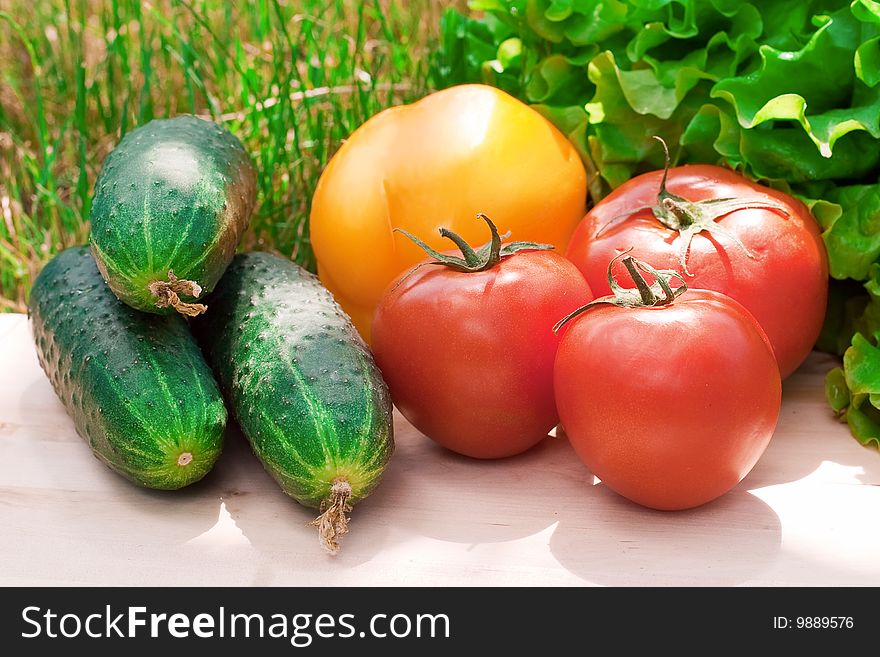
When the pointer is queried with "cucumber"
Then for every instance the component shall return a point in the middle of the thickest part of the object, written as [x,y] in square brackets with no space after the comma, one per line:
[301,383]
[170,206]
[136,385]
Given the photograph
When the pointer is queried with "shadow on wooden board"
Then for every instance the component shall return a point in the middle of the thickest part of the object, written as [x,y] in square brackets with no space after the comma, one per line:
[598,536]
[615,542]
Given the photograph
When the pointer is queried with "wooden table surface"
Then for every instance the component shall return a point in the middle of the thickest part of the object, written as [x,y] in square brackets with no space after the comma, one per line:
[806,515]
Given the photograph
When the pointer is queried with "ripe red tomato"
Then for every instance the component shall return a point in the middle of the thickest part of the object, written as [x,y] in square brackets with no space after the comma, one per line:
[779,271]
[468,355]
[670,406]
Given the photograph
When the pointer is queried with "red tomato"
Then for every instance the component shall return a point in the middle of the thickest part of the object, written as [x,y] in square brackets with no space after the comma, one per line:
[468,356]
[670,406]
[780,273]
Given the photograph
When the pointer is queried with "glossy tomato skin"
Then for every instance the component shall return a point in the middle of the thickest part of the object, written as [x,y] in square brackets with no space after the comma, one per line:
[438,162]
[785,285]
[669,406]
[468,357]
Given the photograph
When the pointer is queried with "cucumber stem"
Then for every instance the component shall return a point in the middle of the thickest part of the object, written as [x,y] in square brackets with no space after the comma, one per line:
[167,294]
[333,523]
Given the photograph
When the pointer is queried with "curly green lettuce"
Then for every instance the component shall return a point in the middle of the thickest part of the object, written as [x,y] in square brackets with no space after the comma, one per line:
[784,91]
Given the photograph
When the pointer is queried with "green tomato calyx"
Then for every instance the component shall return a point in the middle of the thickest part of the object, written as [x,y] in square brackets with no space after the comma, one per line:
[486,257]
[658,293]
[689,217]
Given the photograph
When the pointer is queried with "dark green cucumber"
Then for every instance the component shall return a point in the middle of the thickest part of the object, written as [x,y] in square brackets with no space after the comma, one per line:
[301,383]
[171,203]
[136,385]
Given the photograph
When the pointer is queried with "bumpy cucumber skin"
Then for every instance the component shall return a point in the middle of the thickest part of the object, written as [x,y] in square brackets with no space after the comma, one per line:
[136,385]
[175,194]
[298,378]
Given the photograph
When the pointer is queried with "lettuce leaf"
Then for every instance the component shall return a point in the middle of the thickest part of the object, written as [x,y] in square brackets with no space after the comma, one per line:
[853,237]
[853,391]
[820,76]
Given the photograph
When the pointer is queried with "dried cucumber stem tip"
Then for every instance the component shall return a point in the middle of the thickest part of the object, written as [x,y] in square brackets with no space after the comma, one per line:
[167,294]
[333,523]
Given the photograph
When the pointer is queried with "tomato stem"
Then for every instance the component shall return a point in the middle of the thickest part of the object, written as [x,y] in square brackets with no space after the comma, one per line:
[648,297]
[660,293]
[689,218]
[486,257]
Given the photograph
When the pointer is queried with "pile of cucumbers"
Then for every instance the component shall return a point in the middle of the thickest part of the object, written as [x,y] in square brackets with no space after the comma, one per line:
[155,329]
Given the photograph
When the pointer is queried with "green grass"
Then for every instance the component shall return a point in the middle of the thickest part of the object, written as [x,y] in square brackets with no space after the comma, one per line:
[290,79]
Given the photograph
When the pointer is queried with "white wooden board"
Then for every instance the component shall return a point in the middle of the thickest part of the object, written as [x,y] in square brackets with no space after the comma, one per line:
[807,514]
